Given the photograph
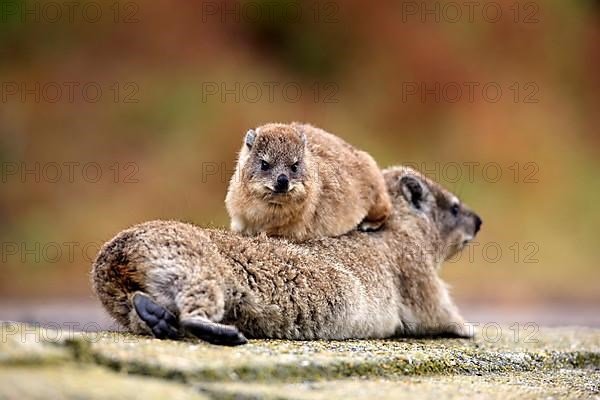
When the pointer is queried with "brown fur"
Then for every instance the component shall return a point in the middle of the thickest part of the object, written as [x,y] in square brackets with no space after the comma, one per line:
[360,285]
[334,188]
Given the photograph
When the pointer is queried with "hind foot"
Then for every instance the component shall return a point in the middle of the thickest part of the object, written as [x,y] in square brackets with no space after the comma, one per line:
[165,325]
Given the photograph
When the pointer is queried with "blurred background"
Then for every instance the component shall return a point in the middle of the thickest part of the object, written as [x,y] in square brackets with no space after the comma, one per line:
[113,113]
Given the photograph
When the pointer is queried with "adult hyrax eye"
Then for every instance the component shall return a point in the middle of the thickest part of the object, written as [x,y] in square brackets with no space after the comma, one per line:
[264,165]
[294,167]
[454,210]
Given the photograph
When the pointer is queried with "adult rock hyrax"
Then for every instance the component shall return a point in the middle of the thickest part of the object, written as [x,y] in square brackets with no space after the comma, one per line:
[172,280]
[300,182]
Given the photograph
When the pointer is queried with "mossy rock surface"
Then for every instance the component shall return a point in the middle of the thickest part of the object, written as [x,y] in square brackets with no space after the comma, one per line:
[550,362]
[281,360]
[568,384]
[76,381]
[22,344]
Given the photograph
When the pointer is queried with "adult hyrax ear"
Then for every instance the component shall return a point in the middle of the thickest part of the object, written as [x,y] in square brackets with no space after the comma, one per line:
[416,192]
[250,136]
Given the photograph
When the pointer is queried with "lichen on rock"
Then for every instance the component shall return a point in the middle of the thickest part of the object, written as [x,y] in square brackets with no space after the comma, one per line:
[559,362]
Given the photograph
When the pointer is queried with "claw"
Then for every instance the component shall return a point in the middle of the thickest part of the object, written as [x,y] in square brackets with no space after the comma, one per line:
[367,226]
[161,322]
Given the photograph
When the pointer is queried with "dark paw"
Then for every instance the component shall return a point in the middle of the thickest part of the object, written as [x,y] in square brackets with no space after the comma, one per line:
[161,322]
[211,332]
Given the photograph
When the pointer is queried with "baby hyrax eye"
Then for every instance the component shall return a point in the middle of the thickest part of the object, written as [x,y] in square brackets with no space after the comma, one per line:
[294,167]
[264,165]
[454,210]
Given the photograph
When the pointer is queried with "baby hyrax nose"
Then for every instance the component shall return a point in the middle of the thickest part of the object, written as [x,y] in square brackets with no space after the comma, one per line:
[478,223]
[282,183]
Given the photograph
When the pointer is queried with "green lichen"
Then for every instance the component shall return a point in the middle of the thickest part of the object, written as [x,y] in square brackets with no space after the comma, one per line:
[568,384]
[79,381]
[292,361]
[560,362]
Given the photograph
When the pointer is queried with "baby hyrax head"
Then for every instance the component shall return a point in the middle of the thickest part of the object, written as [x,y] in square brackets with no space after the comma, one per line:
[273,163]
[450,220]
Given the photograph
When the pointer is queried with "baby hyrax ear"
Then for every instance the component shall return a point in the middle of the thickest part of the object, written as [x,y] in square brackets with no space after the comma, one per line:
[250,136]
[300,130]
[416,192]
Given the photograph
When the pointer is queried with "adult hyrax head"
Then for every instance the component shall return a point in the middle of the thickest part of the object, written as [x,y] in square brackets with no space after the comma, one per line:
[449,223]
[273,164]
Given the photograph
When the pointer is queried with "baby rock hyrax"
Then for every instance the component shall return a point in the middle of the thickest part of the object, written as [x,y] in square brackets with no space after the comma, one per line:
[173,280]
[300,182]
